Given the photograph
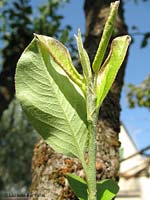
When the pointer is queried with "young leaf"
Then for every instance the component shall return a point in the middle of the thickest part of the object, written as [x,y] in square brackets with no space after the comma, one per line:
[84,58]
[53,103]
[111,66]
[108,29]
[107,189]
[62,57]
[78,185]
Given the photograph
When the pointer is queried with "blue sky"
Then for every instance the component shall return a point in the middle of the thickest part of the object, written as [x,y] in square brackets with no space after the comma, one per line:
[137,121]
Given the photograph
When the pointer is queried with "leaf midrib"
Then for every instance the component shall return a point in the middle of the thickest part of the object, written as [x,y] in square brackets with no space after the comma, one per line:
[80,153]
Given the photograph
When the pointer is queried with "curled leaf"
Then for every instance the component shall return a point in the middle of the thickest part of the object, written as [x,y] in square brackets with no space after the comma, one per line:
[108,29]
[111,66]
[62,57]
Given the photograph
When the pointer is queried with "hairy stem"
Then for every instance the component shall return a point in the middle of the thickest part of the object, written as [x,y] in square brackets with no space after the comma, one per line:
[92,121]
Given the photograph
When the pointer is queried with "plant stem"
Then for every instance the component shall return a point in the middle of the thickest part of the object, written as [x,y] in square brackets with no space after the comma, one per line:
[92,121]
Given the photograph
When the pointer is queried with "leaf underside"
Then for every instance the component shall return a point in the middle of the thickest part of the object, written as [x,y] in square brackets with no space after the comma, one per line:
[53,103]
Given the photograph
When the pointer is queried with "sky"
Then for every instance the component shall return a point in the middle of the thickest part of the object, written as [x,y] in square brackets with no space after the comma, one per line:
[136,121]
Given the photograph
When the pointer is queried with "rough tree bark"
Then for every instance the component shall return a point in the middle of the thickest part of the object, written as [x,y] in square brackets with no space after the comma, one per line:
[48,167]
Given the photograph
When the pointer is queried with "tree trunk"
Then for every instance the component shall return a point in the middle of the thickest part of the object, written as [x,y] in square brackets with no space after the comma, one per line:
[48,167]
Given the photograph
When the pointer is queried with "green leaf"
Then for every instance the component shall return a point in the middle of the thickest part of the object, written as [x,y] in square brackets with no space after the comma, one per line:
[108,29]
[84,58]
[111,66]
[78,185]
[53,103]
[107,189]
[62,57]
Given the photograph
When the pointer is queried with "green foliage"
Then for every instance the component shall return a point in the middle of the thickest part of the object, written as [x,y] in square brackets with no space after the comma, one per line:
[49,20]
[17,139]
[139,95]
[14,29]
[14,21]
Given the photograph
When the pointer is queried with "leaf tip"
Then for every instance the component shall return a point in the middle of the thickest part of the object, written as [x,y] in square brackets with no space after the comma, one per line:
[115,4]
[129,39]
[125,39]
[35,35]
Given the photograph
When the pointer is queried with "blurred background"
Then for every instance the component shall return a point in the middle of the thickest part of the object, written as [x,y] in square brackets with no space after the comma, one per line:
[61,19]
